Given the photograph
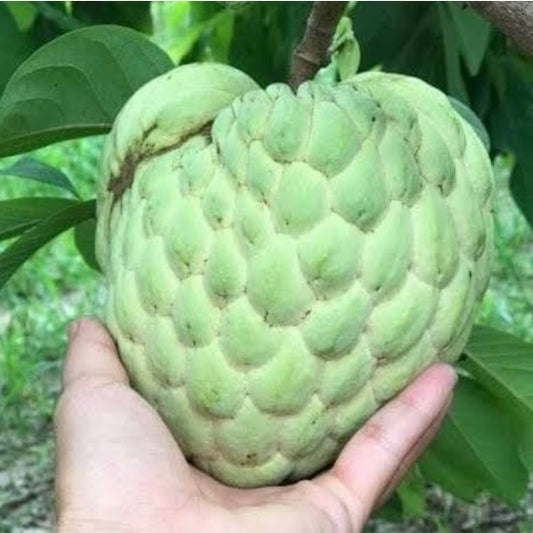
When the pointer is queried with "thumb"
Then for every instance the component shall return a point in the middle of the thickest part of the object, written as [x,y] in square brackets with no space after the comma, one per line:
[390,439]
[91,355]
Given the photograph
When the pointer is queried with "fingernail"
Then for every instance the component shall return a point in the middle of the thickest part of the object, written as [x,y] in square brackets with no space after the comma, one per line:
[452,372]
[73,329]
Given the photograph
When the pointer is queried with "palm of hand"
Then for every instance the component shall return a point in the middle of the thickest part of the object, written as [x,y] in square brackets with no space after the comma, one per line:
[119,469]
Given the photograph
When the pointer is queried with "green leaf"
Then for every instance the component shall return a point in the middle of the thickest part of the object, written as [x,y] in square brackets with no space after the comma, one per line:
[472,119]
[473,33]
[236,5]
[526,448]
[454,76]
[84,236]
[503,364]
[33,169]
[264,37]
[412,494]
[134,15]
[30,241]
[403,37]
[345,49]
[55,14]
[15,46]
[348,58]
[175,31]
[221,34]
[191,29]
[511,126]
[20,214]
[476,448]
[452,478]
[391,510]
[24,14]
[75,85]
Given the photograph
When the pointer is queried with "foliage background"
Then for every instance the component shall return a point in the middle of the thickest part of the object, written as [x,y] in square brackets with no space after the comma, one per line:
[444,44]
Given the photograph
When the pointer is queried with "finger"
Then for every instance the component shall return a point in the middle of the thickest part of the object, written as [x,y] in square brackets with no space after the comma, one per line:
[369,461]
[91,355]
[113,452]
[413,455]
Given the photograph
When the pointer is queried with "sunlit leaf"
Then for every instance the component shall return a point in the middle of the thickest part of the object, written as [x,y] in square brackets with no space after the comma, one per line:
[33,169]
[31,240]
[24,13]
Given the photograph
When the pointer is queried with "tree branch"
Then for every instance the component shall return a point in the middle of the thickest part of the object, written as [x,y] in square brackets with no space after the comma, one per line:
[515,19]
[312,52]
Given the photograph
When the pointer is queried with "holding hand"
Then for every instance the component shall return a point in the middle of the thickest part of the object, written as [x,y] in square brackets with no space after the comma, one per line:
[119,468]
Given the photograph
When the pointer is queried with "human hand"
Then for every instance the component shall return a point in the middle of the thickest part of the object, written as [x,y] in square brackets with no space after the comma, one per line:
[118,467]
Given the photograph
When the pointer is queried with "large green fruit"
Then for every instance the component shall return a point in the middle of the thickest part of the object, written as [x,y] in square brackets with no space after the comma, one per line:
[279,265]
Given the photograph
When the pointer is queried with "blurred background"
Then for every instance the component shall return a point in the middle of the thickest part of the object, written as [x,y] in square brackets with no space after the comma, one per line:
[56,286]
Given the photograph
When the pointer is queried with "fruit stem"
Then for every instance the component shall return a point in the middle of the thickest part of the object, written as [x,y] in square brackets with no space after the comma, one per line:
[312,52]
[515,19]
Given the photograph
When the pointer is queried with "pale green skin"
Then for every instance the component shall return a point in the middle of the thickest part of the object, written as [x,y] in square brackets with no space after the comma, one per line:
[270,288]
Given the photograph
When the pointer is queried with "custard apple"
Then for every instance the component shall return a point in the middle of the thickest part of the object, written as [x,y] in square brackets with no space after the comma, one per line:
[279,265]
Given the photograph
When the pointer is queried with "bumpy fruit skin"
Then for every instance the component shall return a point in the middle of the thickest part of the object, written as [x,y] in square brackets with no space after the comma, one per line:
[279,265]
